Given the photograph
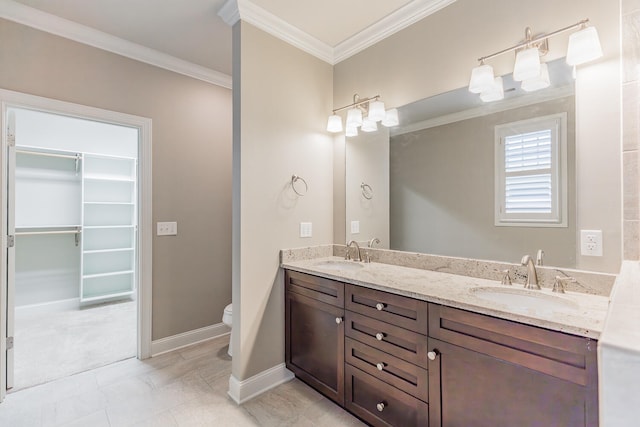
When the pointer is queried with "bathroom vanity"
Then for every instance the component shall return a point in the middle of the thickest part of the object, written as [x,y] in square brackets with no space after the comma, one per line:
[397,352]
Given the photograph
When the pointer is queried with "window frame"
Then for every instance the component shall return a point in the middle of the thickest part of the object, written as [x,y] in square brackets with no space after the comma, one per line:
[557,123]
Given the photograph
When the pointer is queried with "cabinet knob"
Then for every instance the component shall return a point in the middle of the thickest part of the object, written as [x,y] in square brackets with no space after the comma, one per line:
[380,306]
[338,320]
[381,366]
[432,354]
[380,406]
[379,336]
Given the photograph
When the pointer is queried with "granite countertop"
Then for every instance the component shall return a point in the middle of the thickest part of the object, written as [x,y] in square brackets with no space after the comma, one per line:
[573,312]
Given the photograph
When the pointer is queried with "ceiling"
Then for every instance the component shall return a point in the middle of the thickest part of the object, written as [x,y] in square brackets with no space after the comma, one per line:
[192,31]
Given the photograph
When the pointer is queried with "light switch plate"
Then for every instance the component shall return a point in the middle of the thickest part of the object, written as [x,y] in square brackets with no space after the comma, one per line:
[167,228]
[355,227]
[306,229]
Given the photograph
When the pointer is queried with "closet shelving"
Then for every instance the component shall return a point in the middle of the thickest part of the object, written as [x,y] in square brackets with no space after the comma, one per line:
[90,197]
[109,225]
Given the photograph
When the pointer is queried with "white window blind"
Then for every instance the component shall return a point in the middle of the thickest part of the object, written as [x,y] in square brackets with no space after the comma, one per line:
[529,172]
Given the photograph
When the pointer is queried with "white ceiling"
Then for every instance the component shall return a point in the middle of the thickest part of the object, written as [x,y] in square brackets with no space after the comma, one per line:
[192,31]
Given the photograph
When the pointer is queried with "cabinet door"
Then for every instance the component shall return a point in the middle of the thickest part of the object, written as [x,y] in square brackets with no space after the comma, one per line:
[314,344]
[467,388]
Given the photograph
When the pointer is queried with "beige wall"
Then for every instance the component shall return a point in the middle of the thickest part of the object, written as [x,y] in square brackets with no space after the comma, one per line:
[285,98]
[436,55]
[191,160]
[368,158]
[442,192]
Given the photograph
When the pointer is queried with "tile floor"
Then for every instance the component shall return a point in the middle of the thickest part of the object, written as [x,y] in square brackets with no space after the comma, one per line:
[54,345]
[186,387]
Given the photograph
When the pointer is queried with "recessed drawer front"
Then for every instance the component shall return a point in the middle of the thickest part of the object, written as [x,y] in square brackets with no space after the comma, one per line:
[407,313]
[319,288]
[385,367]
[391,339]
[380,404]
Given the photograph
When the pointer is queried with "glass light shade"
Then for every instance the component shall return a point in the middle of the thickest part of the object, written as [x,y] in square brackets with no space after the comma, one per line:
[334,124]
[369,125]
[584,46]
[495,93]
[527,64]
[540,82]
[481,78]
[351,131]
[391,118]
[376,111]
[354,117]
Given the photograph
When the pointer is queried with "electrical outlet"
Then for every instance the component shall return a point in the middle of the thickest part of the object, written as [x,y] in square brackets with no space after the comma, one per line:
[591,242]
[355,227]
[306,229]
[167,228]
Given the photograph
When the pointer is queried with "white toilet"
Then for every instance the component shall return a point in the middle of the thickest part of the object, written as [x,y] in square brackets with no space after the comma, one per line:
[227,318]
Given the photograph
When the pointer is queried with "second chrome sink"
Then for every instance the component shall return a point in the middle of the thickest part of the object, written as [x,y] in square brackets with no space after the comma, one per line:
[522,299]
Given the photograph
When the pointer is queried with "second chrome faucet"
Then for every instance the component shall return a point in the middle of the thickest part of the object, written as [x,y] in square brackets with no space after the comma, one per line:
[532,276]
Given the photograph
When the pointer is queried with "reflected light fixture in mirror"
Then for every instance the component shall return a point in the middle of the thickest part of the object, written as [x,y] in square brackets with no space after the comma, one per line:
[584,46]
[363,113]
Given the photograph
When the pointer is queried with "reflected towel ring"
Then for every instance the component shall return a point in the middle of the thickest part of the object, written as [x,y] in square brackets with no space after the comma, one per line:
[296,178]
[367,191]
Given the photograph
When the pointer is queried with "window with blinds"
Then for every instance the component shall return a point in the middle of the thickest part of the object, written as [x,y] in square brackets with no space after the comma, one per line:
[530,189]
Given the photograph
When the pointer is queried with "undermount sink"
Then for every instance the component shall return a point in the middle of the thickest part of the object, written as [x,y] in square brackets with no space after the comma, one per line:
[522,299]
[339,265]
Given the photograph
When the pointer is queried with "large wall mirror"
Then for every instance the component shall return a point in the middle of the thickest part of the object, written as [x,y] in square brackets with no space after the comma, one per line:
[428,185]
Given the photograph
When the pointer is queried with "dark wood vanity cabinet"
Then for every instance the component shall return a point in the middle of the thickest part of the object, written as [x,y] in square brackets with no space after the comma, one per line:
[314,334]
[397,361]
[490,372]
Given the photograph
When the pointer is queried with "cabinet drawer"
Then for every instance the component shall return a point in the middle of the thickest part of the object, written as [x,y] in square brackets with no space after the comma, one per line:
[391,339]
[385,367]
[407,313]
[560,355]
[364,393]
[321,289]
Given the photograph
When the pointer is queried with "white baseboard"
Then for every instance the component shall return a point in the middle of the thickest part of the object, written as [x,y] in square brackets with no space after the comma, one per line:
[242,391]
[185,339]
[49,307]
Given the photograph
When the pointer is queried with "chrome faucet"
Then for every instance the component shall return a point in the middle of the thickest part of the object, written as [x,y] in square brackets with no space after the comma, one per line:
[532,276]
[540,257]
[358,257]
[372,241]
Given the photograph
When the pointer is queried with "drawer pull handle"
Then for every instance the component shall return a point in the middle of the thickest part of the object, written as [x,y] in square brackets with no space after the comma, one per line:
[433,354]
[379,336]
[381,366]
[380,406]
[338,320]
[380,306]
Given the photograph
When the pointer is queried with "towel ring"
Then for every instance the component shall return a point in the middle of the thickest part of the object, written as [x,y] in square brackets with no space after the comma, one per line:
[367,191]
[296,178]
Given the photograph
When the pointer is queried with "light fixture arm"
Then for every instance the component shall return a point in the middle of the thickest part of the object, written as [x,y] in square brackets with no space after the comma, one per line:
[529,41]
[357,102]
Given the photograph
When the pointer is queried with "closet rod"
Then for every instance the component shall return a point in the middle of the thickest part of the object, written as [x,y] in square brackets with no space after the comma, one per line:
[77,232]
[36,153]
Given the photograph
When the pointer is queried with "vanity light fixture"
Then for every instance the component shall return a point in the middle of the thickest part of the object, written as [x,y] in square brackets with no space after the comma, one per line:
[584,46]
[363,113]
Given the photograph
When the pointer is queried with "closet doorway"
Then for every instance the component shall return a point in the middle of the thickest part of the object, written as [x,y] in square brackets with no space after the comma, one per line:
[74,297]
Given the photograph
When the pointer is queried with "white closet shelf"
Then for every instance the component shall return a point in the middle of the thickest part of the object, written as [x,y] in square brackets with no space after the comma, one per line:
[107,295]
[110,203]
[112,273]
[48,227]
[109,178]
[95,227]
[103,251]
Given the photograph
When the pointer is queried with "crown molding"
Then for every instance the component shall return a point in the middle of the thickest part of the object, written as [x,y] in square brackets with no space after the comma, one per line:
[52,24]
[387,26]
[234,10]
